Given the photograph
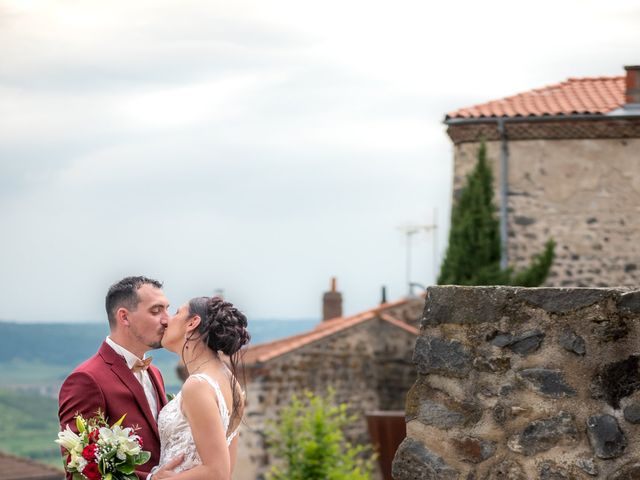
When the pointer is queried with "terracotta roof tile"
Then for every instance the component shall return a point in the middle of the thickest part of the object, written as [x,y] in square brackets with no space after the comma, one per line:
[264,352]
[18,468]
[591,95]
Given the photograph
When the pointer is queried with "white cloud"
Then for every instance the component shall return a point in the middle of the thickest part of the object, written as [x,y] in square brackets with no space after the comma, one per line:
[260,147]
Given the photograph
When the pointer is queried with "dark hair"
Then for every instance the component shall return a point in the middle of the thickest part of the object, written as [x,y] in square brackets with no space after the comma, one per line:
[223,328]
[125,294]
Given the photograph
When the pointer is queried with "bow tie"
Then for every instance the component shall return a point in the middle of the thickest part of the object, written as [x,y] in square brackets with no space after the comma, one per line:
[141,365]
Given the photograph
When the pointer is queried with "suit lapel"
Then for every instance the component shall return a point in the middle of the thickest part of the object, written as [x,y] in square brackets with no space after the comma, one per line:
[157,382]
[126,376]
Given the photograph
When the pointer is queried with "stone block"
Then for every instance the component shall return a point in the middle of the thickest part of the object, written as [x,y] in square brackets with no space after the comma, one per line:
[413,460]
[572,342]
[605,436]
[438,355]
[562,300]
[547,382]
[541,435]
[464,305]
[632,413]
[522,344]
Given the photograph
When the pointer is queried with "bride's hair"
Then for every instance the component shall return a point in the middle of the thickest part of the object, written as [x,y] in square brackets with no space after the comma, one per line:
[223,328]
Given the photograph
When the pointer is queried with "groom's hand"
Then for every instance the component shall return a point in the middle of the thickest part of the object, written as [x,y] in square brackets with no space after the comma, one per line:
[166,470]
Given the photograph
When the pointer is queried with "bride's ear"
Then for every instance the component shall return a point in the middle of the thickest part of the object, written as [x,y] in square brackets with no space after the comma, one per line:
[193,323]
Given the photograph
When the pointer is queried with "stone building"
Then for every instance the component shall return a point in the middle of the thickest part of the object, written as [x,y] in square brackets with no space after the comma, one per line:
[525,384]
[566,159]
[365,358]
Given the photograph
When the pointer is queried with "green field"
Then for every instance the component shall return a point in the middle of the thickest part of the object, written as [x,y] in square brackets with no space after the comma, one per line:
[29,420]
[28,426]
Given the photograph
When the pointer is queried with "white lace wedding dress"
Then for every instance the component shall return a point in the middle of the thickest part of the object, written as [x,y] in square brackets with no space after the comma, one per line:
[175,433]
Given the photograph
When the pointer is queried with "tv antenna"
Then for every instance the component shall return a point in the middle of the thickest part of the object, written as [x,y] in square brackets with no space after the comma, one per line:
[410,231]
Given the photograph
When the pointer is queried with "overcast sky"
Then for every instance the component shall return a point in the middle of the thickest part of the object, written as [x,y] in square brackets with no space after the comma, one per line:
[256,146]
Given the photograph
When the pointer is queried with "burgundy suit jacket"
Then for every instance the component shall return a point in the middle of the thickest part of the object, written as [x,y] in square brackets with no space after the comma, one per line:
[105,382]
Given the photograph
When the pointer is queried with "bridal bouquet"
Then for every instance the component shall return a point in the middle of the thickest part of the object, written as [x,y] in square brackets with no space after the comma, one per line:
[102,452]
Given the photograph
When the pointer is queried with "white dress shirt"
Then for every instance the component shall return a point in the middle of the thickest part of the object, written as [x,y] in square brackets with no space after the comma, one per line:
[142,376]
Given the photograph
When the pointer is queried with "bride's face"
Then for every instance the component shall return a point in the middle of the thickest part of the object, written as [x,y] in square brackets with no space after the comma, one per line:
[174,335]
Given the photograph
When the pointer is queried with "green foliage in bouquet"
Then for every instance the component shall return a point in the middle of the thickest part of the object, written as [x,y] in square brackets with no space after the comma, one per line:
[473,253]
[309,444]
[101,452]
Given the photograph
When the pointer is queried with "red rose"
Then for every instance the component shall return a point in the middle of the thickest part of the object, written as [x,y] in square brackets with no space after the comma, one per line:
[89,452]
[94,436]
[91,471]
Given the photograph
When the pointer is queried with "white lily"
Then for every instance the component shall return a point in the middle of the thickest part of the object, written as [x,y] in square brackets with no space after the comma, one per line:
[68,439]
[77,462]
[114,436]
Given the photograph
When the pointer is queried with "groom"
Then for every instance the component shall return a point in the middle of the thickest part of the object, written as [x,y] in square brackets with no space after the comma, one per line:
[117,379]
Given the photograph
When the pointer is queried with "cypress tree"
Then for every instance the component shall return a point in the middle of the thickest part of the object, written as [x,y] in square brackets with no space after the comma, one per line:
[473,253]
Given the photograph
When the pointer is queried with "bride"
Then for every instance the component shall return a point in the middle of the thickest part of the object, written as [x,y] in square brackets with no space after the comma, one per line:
[201,423]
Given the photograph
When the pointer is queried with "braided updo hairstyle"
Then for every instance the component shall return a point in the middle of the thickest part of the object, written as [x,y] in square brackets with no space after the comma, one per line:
[223,328]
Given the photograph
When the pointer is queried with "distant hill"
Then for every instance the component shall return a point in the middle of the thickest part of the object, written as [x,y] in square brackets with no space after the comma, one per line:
[70,344]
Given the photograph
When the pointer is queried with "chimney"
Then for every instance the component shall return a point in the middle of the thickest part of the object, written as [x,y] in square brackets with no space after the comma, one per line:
[332,302]
[632,93]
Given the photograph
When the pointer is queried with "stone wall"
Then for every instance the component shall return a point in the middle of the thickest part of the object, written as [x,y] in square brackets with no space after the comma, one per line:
[584,193]
[369,365]
[524,384]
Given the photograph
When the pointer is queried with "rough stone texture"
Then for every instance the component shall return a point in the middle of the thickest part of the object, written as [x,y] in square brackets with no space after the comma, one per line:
[632,413]
[551,471]
[610,329]
[369,366]
[474,450]
[464,305]
[448,357]
[550,383]
[523,344]
[629,471]
[605,436]
[556,300]
[630,302]
[541,435]
[413,461]
[617,380]
[492,364]
[588,466]
[572,342]
[561,184]
[534,405]
[506,470]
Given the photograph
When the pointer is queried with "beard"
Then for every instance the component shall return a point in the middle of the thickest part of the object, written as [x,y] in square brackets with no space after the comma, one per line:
[147,340]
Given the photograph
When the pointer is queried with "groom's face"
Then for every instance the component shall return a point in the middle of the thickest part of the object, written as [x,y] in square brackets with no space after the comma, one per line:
[149,320]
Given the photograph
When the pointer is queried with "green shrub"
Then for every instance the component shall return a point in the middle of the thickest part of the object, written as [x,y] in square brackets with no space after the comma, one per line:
[308,442]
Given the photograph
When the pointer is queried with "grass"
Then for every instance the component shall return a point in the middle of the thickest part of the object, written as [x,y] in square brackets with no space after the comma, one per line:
[28,420]
[29,426]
